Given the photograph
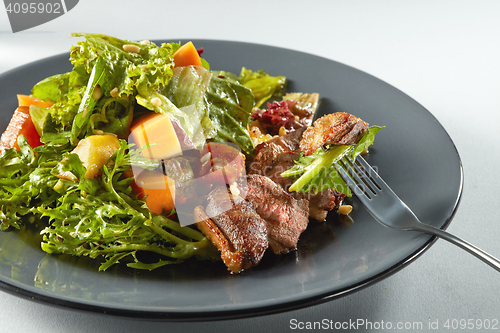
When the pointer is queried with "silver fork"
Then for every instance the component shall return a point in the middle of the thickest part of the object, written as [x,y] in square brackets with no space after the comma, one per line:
[389,210]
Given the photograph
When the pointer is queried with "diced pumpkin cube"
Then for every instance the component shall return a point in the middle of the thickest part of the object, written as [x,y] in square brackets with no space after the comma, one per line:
[25,100]
[187,55]
[156,132]
[158,190]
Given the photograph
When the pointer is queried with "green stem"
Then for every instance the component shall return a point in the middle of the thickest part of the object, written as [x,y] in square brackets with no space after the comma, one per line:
[166,235]
[186,231]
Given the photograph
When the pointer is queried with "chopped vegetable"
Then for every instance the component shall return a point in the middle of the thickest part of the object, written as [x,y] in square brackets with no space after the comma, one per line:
[155,132]
[25,100]
[187,55]
[95,150]
[20,124]
[276,116]
[157,190]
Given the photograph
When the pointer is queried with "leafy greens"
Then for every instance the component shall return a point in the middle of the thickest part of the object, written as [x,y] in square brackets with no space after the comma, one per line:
[318,171]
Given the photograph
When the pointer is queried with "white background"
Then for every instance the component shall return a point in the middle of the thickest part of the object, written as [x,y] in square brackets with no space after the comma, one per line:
[444,54]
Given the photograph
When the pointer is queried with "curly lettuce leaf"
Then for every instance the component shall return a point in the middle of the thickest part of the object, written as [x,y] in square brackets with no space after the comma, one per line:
[123,71]
[66,91]
[21,176]
[101,218]
[152,65]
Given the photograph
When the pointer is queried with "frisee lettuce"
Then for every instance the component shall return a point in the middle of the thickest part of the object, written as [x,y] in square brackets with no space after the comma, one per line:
[91,217]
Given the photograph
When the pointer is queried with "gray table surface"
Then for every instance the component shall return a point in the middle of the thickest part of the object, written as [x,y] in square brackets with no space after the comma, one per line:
[444,54]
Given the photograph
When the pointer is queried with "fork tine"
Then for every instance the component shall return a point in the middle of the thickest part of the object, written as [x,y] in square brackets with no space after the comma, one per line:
[361,179]
[351,173]
[353,180]
[370,176]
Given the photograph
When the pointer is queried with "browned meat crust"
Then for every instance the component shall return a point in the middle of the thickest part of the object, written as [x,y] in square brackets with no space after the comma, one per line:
[286,217]
[337,128]
[242,229]
[234,260]
[278,155]
[240,224]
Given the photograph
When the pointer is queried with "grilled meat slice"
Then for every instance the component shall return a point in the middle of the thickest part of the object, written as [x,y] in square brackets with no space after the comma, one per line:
[286,217]
[234,260]
[337,128]
[242,229]
[235,228]
[289,142]
[278,155]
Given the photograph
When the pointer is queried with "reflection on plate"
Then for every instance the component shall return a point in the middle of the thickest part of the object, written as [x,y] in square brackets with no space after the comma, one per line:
[413,154]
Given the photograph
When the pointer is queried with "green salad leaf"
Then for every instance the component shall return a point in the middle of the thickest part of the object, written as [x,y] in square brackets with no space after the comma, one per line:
[151,65]
[262,85]
[318,171]
[21,175]
[97,217]
[186,90]
[230,105]
[119,66]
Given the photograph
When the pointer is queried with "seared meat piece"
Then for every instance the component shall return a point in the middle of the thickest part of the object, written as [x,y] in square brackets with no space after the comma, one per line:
[289,142]
[242,229]
[279,154]
[235,228]
[286,217]
[276,156]
[337,128]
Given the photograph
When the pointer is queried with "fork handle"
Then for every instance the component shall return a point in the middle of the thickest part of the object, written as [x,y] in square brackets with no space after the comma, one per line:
[484,256]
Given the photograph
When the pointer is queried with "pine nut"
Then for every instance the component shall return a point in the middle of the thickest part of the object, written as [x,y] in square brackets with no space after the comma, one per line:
[131,48]
[114,92]
[156,101]
[282,131]
[97,92]
[205,158]
[145,42]
[235,191]
[345,209]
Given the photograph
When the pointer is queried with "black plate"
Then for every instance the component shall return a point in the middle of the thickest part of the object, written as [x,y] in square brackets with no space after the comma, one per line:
[414,154]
